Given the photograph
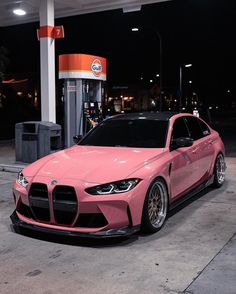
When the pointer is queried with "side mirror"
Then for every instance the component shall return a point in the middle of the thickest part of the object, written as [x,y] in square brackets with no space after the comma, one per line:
[77,138]
[181,142]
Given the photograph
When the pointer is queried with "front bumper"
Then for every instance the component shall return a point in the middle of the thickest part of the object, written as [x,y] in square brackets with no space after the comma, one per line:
[18,224]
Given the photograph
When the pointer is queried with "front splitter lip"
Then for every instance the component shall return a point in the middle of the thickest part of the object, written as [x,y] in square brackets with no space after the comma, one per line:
[112,233]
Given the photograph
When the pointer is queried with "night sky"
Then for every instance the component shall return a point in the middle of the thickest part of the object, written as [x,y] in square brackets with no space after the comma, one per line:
[201,32]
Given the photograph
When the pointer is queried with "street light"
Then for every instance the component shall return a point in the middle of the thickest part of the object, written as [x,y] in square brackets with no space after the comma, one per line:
[181,82]
[136,29]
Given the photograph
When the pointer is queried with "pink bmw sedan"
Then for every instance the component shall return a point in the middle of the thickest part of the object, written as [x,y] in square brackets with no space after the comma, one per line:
[123,176]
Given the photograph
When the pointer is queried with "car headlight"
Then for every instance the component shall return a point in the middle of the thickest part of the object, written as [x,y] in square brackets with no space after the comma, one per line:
[114,187]
[22,180]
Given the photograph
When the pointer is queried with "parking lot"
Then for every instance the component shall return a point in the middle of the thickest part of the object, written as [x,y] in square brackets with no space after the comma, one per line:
[193,253]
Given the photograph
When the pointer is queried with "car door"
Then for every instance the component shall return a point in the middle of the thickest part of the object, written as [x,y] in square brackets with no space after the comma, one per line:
[183,161]
[203,148]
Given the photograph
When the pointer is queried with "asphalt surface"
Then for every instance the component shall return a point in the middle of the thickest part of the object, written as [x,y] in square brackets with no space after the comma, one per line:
[195,252]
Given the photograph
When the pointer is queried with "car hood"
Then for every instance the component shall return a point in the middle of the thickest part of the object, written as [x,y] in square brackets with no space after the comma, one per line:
[93,164]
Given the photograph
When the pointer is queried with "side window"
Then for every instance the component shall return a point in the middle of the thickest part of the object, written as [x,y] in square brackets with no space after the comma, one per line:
[179,129]
[194,127]
[204,127]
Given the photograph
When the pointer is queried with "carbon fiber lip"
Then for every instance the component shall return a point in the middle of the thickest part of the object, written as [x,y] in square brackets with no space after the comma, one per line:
[121,232]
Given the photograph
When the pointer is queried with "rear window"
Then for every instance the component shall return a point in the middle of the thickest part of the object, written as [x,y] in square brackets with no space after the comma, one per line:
[204,127]
[197,128]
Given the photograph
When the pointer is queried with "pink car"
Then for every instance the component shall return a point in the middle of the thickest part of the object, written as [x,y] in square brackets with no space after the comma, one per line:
[123,176]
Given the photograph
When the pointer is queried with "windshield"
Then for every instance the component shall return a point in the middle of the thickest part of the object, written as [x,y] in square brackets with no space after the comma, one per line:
[141,133]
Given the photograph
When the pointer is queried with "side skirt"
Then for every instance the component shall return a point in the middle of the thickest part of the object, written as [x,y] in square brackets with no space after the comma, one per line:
[190,194]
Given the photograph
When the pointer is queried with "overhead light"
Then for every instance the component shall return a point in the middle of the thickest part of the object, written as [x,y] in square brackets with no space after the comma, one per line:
[188,65]
[19,12]
[157,75]
[132,8]
[135,29]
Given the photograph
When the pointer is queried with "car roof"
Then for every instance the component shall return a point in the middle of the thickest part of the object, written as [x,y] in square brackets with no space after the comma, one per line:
[159,115]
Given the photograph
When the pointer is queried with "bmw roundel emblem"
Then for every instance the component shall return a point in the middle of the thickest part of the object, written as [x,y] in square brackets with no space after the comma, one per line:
[53,182]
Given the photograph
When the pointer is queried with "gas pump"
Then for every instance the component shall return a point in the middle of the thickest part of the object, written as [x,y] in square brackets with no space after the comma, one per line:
[83,76]
[92,103]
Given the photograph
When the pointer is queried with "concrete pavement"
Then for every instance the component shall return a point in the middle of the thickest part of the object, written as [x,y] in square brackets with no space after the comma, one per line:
[7,157]
[219,276]
[195,252]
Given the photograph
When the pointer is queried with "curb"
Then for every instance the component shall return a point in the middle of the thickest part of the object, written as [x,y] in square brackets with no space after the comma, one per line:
[11,168]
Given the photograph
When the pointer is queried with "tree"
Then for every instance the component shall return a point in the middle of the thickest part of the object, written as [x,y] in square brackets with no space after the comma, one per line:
[4,61]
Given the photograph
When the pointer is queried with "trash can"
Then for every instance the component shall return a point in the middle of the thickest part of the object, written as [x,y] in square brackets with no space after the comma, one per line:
[49,138]
[26,141]
[35,139]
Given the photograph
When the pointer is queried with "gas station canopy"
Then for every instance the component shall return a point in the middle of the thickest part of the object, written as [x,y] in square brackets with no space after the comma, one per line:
[63,8]
[14,12]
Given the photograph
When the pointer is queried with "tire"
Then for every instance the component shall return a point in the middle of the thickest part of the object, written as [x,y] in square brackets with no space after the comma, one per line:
[219,171]
[155,207]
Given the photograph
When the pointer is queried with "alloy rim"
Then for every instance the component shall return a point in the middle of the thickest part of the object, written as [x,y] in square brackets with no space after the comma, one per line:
[220,169]
[157,205]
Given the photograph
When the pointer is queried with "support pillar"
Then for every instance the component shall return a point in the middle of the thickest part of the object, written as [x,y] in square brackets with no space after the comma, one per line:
[47,63]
